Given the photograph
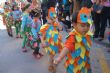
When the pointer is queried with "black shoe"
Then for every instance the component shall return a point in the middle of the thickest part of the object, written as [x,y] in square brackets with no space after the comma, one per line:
[100,39]
[95,36]
[11,35]
[8,34]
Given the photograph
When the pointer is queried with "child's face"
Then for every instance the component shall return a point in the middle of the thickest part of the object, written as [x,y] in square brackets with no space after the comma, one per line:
[49,20]
[28,10]
[82,28]
[15,8]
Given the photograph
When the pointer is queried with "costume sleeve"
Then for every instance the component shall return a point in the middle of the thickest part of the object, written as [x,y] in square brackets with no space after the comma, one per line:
[43,29]
[23,23]
[70,43]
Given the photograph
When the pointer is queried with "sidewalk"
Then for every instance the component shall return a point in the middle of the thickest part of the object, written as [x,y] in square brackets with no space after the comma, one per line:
[105,42]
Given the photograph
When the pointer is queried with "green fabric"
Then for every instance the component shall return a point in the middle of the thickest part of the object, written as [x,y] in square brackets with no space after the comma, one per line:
[24,40]
[17,25]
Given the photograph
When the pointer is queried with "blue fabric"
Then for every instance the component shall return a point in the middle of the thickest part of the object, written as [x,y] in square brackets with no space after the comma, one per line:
[76,53]
[55,48]
[84,18]
[80,61]
[64,2]
[70,69]
[109,38]
[26,20]
[55,37]
[17,14]
[85,43]
[35,31]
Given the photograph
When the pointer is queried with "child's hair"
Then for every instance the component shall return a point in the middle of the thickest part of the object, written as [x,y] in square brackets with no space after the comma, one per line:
[36,12]
[13,8]
[74,17]
[26,7]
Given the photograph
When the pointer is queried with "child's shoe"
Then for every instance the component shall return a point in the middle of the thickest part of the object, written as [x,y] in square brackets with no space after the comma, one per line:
[52,69]
[41,54]
[24,49]
[17,36]
[38,56]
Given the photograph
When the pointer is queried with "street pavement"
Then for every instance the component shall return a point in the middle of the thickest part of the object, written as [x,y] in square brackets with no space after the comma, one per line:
[13,60]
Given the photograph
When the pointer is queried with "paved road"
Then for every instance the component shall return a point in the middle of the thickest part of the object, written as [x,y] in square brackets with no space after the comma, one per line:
[13,60]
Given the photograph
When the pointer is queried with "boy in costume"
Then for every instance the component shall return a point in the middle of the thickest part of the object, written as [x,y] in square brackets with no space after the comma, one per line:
[78,43]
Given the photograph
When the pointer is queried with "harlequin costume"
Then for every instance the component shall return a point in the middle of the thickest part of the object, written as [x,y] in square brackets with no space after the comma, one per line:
[52,37]
[78,59]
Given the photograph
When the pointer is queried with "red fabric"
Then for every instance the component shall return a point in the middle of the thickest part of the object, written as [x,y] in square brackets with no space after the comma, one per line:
[70,43]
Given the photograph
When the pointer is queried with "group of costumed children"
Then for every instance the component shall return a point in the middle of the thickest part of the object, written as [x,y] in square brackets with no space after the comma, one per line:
[12,17]
[76,49]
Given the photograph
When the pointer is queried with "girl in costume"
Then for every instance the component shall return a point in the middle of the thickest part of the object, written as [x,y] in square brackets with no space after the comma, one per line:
[50,38]
[26,26]
[35,33]
[78,44]
[17,20]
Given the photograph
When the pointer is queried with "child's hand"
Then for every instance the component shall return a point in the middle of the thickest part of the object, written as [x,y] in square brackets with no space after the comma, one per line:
[56,61]
[26,33]
[99,11]
[43,44]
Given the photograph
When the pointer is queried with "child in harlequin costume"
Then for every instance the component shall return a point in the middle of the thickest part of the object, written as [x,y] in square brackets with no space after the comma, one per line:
[9,22]
[78,43]
[50,38]
[26,26]
[17,20]
[35,34]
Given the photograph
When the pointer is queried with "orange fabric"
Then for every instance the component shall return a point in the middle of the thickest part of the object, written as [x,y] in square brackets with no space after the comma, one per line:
[78,71]
[87,65]
[76,61]
[51,9]
[67,63]
[44,29]
[35,20]
[87,53]
[83,10]
[70,43]
[69,56]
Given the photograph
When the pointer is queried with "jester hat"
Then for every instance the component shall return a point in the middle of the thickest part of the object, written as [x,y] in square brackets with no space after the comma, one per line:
[84,16]
[51,12]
